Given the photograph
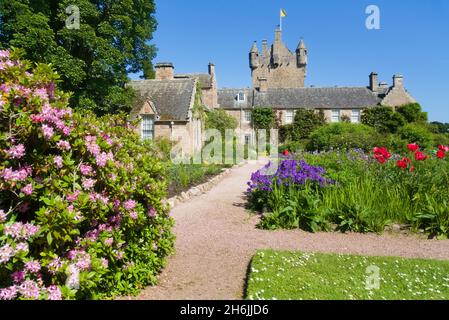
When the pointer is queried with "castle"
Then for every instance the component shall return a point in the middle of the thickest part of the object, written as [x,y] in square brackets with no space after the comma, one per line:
[165,105]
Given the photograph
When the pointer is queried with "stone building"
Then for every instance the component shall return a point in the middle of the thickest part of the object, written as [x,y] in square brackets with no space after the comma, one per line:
[278,82]
[165,105]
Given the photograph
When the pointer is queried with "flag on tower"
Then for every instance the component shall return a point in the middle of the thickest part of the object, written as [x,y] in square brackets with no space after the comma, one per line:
[283,13]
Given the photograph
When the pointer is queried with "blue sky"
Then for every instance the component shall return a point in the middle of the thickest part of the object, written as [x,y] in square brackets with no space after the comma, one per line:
[413,41]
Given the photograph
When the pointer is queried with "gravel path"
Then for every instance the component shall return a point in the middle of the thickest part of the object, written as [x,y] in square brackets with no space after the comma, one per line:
[216,239]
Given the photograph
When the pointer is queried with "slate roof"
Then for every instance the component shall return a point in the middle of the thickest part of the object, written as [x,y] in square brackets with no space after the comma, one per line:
[318,98]
[204,79]
[172,99]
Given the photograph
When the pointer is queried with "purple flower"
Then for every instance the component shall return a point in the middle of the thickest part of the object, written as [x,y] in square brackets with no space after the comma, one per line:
[33,266]
[27,190]
[18,276]
[8,293]
[54,293]
[16,152]
[72,197]
[133,215]
[58,162]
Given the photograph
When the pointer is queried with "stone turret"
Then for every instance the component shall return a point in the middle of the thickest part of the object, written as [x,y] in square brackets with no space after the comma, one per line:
[301,54]
[254,57]
[277,66]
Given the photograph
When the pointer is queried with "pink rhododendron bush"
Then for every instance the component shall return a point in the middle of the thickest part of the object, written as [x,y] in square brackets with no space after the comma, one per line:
[81,213]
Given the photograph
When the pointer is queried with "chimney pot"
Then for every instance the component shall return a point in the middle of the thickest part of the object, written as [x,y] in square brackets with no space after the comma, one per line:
[165,71]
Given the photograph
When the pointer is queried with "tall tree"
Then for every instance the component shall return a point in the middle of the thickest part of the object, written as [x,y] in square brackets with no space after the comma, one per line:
[93,60]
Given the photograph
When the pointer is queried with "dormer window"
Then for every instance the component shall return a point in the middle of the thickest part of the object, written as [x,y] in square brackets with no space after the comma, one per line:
[241,97]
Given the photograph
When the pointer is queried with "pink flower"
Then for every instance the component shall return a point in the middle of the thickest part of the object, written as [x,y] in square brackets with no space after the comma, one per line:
[88,183]
[103,158]
[133,215]
[54,293]
[48,131]
[152,212]
[108,241]
[41,93]
[85,169]
[29,289]
[8,293]
[4,54]
[129,205]
[154,246]
[21,247]
[92,146]
[3,216]
[105,262]
[64,145]
[33,266]
[58,162]
[72,197]
[54,266]
[83,262]
[20,175]
[16,152]
[6,253]
[27,190]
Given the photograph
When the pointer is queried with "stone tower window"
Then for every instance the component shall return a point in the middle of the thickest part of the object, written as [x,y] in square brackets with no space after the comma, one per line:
[241,97]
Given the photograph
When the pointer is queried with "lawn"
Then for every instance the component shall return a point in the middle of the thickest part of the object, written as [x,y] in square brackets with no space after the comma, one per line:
[315,276]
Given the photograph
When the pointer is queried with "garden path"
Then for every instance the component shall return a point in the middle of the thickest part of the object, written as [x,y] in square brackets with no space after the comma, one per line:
[216,238]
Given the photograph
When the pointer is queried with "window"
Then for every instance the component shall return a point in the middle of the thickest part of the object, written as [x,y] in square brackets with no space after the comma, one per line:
[355,116]
[247,139]
[289,116]
[241,97]
[147,127]
[247,116]
[335,115]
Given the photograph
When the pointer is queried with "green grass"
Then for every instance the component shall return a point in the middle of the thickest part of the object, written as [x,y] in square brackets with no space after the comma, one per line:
[315,276]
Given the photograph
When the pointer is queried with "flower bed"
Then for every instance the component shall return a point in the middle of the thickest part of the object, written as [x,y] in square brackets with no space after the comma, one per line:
[81,215]
[361,192]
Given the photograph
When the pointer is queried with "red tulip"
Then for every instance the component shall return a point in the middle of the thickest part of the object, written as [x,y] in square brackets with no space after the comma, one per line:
[441,154]
[443,148]
[404,163]
[380,158]
[419,156]
[381,154]
[413,147]
[285,153]
[412,169]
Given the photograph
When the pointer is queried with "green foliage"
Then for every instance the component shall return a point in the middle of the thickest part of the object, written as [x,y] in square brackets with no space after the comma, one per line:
[412,112]
[305,122]
[263,118]
[94,60]
[220,120]
[343,136]
[416,133]
[318,276]
[84,192]
[438,127]
[383,119]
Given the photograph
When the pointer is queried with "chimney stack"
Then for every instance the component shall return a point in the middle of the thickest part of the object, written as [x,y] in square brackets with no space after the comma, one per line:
[398,81]
[373,82]
[263,85]
[212,70]
[165,71]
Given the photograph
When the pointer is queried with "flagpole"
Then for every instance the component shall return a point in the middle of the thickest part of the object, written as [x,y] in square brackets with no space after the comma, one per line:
[280,20]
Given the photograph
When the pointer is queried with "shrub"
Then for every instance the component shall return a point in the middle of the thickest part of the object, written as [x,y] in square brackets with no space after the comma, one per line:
[263,118]
[417,133]
[343,136]
[412,112]
[306,121]
[383,119]
[81,213]
[219,119]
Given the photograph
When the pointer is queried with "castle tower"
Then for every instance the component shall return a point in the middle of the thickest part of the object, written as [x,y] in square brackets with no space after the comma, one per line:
[278,67]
